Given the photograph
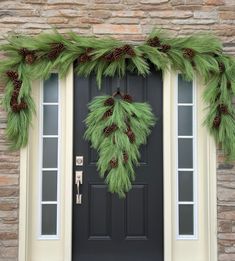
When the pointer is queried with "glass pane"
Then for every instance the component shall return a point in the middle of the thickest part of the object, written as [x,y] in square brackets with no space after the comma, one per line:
[185,120]
[49,186]
[185,90]
[185,152]
[185,186]
[186,220]
[50,119]
[50,152]
[50,88]
[49,216]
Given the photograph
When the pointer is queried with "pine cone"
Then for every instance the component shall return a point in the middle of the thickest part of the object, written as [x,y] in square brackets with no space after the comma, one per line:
[130,135]
[108,130]
[154,42]
[221,67]
[23,105]
[117,53]
[13,100]
[127,98]
[165,48]
[223,109]
[113,163]
[15,93]
[15,108]
[188,53]
[56,50]
[30,58]
[109,102]
[108,57]
[229,85]
[107,114]
[84,58]
[13,75]
[125,157]
[128,49]
[216,122]
[17,84]
[24,51]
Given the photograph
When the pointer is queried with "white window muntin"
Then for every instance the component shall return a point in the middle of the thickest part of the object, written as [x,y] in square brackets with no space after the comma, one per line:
[192,169]
[50,136]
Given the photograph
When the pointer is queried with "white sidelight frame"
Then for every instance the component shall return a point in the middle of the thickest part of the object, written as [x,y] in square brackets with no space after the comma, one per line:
[41,169]
[193,137]
[33,249]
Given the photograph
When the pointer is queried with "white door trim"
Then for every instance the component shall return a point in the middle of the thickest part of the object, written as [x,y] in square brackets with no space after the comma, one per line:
[169,218]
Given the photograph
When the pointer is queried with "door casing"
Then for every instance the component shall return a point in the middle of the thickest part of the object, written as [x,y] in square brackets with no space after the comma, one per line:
[30,246]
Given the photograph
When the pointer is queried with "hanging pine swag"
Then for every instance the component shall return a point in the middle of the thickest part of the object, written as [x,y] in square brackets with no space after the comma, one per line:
[116,128]
[29,58]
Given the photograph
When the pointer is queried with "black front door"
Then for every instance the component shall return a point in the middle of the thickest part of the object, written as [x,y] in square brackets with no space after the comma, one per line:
[106,228]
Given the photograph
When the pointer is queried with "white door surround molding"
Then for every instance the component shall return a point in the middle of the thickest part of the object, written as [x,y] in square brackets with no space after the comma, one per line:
[31,248]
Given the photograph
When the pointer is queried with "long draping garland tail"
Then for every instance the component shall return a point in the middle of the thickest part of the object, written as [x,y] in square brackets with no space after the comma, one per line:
[116,128]
[29,58]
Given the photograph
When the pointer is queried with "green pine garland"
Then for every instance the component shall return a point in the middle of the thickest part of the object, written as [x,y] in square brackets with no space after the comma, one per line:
[35,57]
[116,129]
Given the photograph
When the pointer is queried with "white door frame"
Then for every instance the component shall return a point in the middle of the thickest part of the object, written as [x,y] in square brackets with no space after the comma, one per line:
[209,154]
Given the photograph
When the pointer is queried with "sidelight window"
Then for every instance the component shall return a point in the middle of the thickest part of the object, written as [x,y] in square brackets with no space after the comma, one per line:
[186,176]
[49,172]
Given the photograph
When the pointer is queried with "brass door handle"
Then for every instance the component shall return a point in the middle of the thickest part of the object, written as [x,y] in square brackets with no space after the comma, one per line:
[78,182]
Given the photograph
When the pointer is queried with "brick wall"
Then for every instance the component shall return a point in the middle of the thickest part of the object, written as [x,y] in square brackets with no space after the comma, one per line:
[124,19]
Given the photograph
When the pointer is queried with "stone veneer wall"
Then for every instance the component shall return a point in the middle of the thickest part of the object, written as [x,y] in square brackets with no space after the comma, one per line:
[128,20]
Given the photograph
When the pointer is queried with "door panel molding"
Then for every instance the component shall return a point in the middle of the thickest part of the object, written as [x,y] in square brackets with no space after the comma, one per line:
[208,153]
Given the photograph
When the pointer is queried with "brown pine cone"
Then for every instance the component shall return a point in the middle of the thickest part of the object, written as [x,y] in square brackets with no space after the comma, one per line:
[221,67]
[30,58]
[223,109]
[17,84]
[117,53]
[128,49]
[188,53]
[23,105]
[154,42]
[108,130]
[107,114]
[164,48]
[109,102]
[84,58]
[56,50]
[13,100]
[113,163]
[108,57]
[13,75]
[15,107]
[130,135]
[24,51]
[127,98]
[216,122]
[15,93]
[125,157]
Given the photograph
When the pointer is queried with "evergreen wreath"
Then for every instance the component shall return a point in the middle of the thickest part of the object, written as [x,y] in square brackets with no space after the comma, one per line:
[29,58]
[116,128]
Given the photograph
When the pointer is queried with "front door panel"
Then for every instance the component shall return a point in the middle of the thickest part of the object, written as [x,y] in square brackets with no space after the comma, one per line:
[106,228]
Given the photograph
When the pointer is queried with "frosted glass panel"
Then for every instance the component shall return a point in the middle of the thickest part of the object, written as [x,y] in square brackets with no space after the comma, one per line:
[50,151]
[186,220]
[49,185]
[49,217]
[185,90]
[50,119]
[50,88]
[185,120]
[185,153]
[185,185]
